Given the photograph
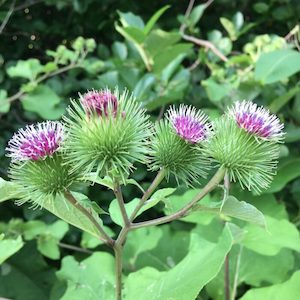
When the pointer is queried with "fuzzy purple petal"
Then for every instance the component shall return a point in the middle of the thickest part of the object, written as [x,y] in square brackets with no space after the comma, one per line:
[36,141]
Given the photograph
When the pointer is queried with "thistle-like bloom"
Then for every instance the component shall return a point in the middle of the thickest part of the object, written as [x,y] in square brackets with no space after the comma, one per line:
[38,167]
[189,123]
[36,142]
[257,120]
[111,143]
[101,102]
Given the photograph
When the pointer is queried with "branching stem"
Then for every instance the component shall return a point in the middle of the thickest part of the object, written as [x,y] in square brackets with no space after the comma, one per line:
[215,180]
[102,234]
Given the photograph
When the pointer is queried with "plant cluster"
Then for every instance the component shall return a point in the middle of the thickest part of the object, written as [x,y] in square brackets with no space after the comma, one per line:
[106,133]
[174,201]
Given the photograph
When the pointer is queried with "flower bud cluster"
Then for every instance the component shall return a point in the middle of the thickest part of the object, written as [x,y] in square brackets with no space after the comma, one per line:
[105,133]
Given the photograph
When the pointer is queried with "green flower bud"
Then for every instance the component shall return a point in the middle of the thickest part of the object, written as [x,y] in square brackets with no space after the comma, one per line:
[176,145]
[38,167]
[107,132]
[245,141]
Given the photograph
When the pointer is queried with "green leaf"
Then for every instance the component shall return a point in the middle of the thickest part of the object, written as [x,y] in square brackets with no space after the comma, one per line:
[282,100]
[238,20]
[243,211]
[154,19]
[48,246]
[176,202]
[251,271]
[48,236]
[174,91]
[287,172]
[26,275]
[165,57]
[115,212]
[158,196]
[9,247]
[158,40]
[120,50]
[7,190]
[50,67]
[43,101]
[197,13]
[169,70]
[107,181]
[67,212]
[4,103]
[277,65]
[90,242]
[216,91]
[230,28]
[180,282]
[279,234]
[138,241]
[92,278]
[131,20]
[289,289]
[26,69]
[171,249]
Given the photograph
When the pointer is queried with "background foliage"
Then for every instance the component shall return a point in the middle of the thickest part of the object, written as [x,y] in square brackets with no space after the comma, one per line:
[224,51]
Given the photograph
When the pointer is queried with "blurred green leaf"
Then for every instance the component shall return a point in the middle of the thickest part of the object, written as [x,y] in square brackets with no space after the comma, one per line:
[67,212]
[28,69]
[138,241]
[279,234]
[282,100]
[4,103]
[229,27]
[251,271]
[197,13]
[131,20]
[287,172]
[7,190]
[289,289]
[243,211]
[277,65]
[158,196]
[92,278]
[43,101]
[150,24]
[9,247]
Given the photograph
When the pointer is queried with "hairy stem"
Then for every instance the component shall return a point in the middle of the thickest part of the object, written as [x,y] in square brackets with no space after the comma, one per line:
[215,180]
[157,180]
[119,196]
[118,271]
[118,246]
[227,258]
[102,234]
[236,275]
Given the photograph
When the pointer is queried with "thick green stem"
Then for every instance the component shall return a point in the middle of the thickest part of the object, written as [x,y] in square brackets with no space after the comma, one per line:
[227,258]
[118,271]
[215,180]
[102,234]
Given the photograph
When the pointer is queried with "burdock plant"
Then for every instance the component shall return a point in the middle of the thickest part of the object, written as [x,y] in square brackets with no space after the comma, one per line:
[106,133]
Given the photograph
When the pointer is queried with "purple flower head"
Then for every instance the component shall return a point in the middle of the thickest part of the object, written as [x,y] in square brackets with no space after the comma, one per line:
[189,123]
[36,141]
[257,120]
[102,102]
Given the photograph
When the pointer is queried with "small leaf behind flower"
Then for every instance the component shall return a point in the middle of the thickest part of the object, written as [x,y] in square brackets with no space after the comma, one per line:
[158,196]
[67,212]
[243,211]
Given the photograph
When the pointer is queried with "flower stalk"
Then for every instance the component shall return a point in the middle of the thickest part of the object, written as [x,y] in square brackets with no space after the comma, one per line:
[102,234]
[213,183]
